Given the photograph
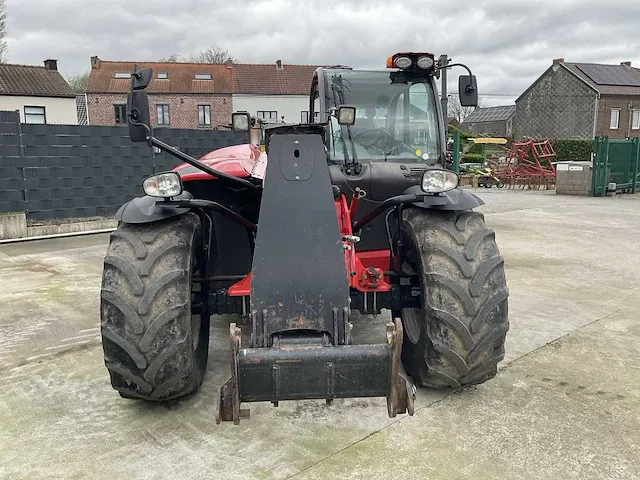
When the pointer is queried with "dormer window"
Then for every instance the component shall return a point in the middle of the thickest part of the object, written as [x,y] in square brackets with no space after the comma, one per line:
[203,76]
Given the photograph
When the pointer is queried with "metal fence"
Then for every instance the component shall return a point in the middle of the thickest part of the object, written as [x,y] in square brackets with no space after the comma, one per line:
[615,161]
[69,171]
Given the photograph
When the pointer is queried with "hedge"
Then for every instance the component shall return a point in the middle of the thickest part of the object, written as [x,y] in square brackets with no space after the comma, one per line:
[472,157]
[573,149]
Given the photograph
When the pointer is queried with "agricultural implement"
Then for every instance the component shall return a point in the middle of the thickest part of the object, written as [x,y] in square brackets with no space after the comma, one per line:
[529,165]
[334,216]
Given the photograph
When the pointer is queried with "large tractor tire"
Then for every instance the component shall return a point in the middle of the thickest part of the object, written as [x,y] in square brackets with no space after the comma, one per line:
[153,347]
[457,337]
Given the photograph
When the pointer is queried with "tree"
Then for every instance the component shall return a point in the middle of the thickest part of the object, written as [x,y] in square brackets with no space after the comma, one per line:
[456,110]
[78,81]
[173,58]
[212,54]
[3,30]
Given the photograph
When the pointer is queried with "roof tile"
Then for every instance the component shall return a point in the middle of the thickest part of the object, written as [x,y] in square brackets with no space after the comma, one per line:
[265,79]
[181,77]
[32,80]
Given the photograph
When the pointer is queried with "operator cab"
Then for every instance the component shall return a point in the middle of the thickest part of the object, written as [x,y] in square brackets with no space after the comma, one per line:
[399,130]
[397,114]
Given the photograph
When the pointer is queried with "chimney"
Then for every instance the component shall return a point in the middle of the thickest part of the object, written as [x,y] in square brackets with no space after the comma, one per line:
[279,64]
[558,60]
[628,64]
[51,64]
[95,62]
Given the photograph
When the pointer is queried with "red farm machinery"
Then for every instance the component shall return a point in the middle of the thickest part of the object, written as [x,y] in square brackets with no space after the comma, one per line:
[529,164]
[350,212]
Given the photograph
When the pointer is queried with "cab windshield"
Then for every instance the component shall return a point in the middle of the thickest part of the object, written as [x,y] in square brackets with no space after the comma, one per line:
[396,118]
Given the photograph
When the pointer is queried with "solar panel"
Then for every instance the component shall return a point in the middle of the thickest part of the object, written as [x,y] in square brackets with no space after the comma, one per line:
[490,114]
[611,74]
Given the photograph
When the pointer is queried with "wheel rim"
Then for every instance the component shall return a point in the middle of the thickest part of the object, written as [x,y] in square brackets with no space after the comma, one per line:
[411,322]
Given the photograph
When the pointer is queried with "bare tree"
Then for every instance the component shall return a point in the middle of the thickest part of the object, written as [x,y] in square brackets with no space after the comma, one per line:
[3,30]
[212,54]
[456,110]
[173,58]
[78,81]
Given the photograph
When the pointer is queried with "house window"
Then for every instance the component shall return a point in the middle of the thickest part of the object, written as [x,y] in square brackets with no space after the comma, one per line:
[203,76]
[122,75]
[615,119]
[34,115]
[163,75]
[304,117]
[204,115]
[120,114]
[635,120]
[163,114]
[268,115]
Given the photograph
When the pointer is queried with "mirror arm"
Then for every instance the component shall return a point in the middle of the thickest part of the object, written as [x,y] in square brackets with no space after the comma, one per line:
[469,88]
[199,165]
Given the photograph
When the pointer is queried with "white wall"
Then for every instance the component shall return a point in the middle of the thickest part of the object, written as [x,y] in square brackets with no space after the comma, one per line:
[288,105]
[57,110]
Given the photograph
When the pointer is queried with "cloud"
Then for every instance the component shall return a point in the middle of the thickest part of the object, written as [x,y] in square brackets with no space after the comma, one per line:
[507,44]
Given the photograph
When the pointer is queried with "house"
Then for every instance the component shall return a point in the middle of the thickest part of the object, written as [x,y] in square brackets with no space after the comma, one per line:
[181,95]
[453,121]
[581,100]
[39,93]
[491,121]
[273,92]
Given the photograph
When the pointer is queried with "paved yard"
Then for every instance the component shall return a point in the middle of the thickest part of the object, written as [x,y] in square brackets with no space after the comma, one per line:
[566,403]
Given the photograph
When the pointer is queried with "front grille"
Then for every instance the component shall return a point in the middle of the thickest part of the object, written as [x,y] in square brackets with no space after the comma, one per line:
[413,172]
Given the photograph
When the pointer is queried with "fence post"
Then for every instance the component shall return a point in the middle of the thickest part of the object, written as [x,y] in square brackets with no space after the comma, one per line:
[25,195]
[635,169]
[456,152]
[596,147]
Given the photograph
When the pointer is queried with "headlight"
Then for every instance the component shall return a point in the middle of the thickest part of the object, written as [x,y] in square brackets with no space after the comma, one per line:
[240,121]
[425,62]
[403,62]
[164,185]
[437,181]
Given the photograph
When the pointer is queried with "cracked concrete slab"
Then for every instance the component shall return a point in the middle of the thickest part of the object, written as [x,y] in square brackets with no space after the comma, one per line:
[571,264]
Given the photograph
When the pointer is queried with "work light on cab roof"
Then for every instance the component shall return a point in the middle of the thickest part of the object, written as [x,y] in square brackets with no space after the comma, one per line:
[412,61]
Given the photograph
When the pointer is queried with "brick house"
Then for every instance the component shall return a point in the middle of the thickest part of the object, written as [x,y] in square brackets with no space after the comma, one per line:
[492,121]
[39,93]
[181,95]
[581,100]
[273,92]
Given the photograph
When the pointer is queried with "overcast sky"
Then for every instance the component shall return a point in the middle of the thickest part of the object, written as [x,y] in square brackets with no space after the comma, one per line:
[507,43]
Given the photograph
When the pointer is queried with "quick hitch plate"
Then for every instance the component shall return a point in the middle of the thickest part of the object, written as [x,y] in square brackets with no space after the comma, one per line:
[293,372]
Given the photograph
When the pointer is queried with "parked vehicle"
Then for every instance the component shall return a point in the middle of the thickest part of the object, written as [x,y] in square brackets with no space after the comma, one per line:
[333,217]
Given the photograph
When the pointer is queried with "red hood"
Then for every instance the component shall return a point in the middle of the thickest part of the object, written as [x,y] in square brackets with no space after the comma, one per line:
[237,160]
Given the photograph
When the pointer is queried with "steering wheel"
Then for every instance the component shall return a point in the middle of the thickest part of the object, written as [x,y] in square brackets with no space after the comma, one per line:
[374,137]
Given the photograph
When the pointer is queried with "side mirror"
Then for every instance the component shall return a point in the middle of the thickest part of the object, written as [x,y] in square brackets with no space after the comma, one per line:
[138,114]
[240,121]
[141,79]
[468,91]
[346,115]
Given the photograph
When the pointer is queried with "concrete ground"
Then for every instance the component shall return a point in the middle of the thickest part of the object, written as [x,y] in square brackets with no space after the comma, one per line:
[566,403]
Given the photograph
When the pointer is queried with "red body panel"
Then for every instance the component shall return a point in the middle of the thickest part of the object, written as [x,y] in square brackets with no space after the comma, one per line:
[365,270]
[237,160]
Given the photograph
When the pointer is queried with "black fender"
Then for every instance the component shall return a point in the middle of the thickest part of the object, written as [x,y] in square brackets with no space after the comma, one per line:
[457,199]
[150,209]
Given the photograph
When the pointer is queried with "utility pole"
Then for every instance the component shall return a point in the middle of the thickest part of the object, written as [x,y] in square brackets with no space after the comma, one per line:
[444,61]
